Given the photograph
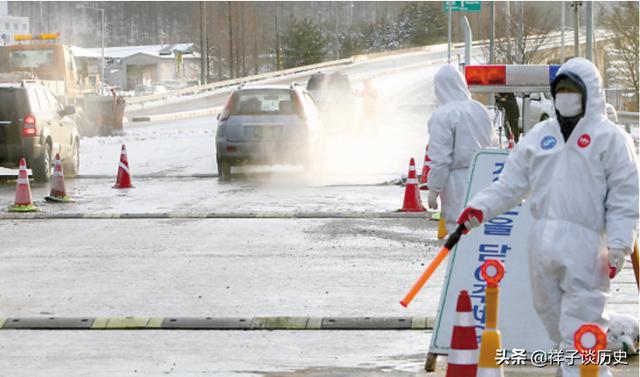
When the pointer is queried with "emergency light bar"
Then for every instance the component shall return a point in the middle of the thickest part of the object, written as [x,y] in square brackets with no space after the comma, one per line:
[37,37]
[510,78]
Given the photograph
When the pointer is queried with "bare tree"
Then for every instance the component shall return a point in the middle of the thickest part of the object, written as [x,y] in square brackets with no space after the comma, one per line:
[532,29]
[621,18]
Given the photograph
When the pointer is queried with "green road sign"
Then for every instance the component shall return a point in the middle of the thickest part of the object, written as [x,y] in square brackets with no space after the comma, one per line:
[463,6]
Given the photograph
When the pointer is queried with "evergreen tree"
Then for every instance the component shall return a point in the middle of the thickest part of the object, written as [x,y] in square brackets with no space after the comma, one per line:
[421,24]
[302,44]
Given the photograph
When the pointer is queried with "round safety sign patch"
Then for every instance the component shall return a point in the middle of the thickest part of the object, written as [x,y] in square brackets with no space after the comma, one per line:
[584,141]
[548,142]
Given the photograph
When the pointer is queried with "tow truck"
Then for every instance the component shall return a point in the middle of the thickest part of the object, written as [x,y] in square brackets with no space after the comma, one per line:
[41,57]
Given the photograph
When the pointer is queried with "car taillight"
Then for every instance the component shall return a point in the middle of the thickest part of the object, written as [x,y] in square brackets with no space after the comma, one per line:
[299,106]
[226,112]
[486,75]
[29,125]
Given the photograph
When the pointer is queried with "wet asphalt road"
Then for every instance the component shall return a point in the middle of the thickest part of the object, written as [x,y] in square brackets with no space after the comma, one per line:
[229,266]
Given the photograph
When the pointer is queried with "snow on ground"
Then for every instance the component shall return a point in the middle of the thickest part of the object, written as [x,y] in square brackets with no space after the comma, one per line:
[169,147]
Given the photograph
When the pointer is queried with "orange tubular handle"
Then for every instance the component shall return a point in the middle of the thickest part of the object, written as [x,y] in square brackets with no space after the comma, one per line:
[417,286]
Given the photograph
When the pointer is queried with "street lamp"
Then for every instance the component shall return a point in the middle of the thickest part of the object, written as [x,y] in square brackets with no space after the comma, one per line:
[101,10]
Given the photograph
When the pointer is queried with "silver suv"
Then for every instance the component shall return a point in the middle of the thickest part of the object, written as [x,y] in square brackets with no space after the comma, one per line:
[266,125]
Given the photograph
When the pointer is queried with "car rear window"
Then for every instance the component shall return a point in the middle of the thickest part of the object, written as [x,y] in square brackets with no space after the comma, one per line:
[262,102]
[12,104]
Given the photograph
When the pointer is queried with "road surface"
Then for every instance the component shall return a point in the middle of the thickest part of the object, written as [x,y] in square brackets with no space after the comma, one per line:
[227,266]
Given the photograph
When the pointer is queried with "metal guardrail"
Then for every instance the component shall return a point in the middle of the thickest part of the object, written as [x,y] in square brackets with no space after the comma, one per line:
[221,84]
[628,118]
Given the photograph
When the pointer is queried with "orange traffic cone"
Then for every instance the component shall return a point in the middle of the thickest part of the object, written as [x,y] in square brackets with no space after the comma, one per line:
[58,192]
[412,202]
[463,354]
[23,202]
[426,166]
[124,177]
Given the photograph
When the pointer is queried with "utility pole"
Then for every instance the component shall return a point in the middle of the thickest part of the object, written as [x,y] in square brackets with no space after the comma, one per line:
[231,63]
[277,42]
[576,26]
[492,35]
[450,4]
[335,7]
[468,40]
[203,44]
[589,52]
[521,46]
[562,32]
[508,23]
[102,67]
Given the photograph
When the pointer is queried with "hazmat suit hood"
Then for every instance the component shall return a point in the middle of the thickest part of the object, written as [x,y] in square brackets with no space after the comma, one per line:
[594,108]
[450,85]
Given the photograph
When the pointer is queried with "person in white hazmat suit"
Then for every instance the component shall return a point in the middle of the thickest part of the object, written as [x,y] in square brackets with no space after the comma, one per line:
[458,128]
[580,175]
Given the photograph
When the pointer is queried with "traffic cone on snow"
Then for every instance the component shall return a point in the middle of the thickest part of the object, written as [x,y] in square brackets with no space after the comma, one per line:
[124,177]
[412,201]
[23,202]
[463,354]
[58,192]
[426,166]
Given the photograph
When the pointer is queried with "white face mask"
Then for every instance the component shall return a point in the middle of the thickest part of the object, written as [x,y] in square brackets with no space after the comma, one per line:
[568,104]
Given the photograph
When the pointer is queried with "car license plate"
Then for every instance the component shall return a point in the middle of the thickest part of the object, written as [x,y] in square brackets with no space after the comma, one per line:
[263,132]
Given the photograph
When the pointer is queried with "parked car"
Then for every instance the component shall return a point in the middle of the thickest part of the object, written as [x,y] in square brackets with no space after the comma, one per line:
[34,125]
[267,125]
[540,107]
[335,97]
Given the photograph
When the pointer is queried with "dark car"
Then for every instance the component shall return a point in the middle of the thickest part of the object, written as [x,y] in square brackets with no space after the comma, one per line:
[266,125]
[335,98]
[34,125]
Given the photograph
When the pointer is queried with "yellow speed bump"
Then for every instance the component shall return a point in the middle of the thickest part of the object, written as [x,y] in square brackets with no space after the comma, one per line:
[122,323]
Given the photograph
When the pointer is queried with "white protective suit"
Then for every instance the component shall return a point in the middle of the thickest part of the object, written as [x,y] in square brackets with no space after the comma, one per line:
[458,128]
[583,196]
